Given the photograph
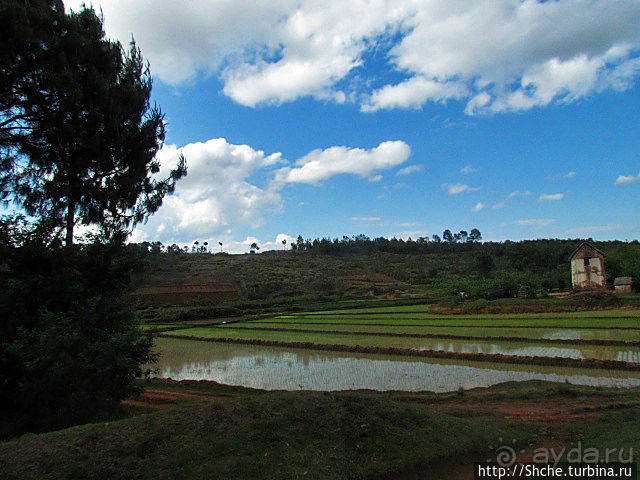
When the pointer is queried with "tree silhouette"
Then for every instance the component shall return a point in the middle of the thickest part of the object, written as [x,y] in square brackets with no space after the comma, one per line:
[29,32]
[78,140]
[90,137]
[475,235]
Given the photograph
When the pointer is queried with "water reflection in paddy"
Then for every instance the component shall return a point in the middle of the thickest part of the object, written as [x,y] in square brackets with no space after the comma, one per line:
[484,346]
[293,369]
[598,352]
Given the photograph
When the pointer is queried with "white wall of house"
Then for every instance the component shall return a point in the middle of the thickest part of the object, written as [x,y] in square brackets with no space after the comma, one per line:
[589,274]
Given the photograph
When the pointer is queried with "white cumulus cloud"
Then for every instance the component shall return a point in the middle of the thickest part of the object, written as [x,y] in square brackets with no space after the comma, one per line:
[410,169]
[479,206]
[622,179]
[229,245]
[215,195]
[219,193]
[590,230]
[468,169]
[456,188]
[494,55]
[413,93]
[319,165]
[536,222]
[513,55]
[513,194]
[545,197]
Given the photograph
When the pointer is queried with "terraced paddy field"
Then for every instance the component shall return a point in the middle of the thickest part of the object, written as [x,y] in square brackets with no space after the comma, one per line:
[285,368]
[597,320]
[408,350]
[425,309]
[480,346]
[152,326]
[564,333]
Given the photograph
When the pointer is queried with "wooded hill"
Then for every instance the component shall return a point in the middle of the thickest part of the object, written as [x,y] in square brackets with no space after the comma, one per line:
[360,267]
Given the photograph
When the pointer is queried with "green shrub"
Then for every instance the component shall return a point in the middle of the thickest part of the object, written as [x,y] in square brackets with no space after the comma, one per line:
[70,348]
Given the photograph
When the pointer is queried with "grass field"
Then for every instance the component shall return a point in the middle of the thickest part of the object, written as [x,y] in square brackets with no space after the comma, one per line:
[207,431]
[271,436]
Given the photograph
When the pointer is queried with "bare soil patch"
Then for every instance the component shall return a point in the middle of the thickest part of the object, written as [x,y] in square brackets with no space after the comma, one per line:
[160,399]
[184,294]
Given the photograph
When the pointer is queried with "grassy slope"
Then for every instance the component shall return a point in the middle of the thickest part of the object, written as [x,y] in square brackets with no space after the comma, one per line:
[273,436]
[294,281]
[279,435]
[616,432]
[276,273]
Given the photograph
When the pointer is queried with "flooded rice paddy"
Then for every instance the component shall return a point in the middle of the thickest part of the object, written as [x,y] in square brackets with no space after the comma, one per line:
[275,368]
[484,346]
[292,368]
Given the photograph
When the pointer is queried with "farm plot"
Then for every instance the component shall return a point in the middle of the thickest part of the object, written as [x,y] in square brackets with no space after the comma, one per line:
[412,351]
[597,320]
[551,333]
[290,368]
[157,326]
[590,342]
[480,346]
[424,310]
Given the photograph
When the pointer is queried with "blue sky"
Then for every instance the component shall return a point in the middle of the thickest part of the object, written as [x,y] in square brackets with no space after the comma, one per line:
[519,118]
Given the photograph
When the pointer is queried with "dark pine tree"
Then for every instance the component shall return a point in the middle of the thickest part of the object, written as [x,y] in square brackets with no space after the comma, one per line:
[88,151]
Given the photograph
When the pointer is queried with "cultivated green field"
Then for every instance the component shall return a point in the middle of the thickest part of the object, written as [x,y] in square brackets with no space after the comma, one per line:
[155,326]
[549,339]
[423,310]
[286,364]
[486,346]
[480,332]
[596,319]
